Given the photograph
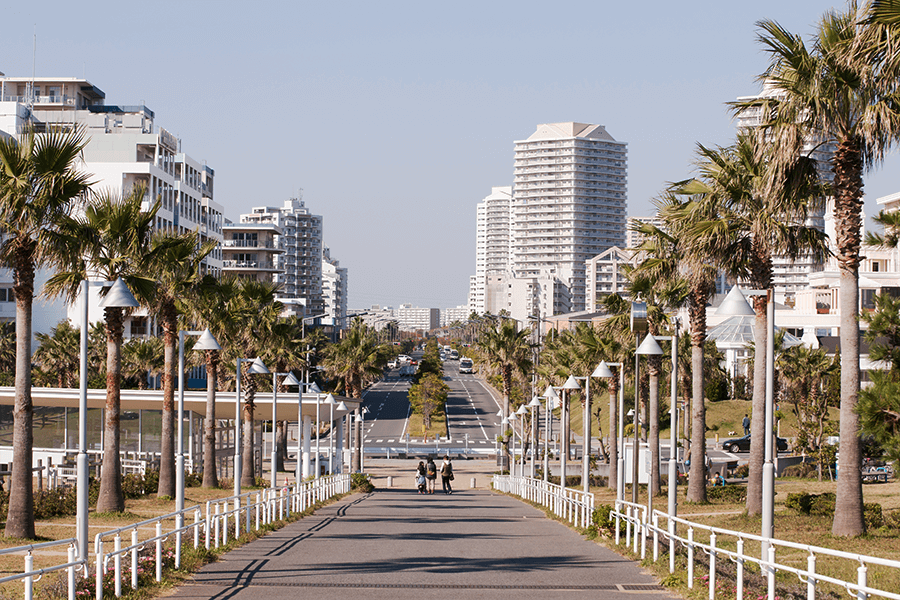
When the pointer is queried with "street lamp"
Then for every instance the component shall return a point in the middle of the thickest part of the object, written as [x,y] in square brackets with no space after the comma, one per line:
[617,424]
[291,379]
[256,368]
[341,407]
[736,304]
[329,400]
[273,456]
[510,421]
[564,427]
[551,395]
[119,296]
[523,410]
[648,347]
[534,405]
[314,388]
[205,342]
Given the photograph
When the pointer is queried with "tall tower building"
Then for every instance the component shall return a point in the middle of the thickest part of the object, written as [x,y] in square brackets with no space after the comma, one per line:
[569,205]
[492,249]
[298,267]
[334,290]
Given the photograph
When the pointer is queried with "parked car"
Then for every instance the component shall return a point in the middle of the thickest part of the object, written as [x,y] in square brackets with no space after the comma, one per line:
[742,444]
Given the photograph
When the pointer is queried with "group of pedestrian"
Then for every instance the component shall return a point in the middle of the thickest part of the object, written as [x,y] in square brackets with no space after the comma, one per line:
[426,475]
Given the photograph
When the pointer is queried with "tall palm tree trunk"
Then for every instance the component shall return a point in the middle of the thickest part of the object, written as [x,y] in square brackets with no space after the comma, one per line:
[210,477]
[248,474]
[167,437]
[110,498]
[697,485]
[848,510]
[20,521]
[758,412]
[279,439]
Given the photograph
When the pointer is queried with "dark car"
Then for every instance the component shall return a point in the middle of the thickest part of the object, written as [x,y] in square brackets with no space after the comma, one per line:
[742,444]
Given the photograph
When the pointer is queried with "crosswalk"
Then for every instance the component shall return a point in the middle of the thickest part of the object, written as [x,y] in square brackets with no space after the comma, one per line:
[420,441]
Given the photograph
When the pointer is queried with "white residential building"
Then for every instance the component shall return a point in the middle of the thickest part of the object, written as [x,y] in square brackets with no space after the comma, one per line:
[413,318]
[452,315]
[334,289]
[633,239]
[569,204]
[299,266]
[492,243]
[605,274]
[125,149]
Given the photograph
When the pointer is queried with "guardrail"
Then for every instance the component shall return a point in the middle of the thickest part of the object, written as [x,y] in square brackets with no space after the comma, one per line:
[30,574]
[732,548]
[575,506]
[252,508]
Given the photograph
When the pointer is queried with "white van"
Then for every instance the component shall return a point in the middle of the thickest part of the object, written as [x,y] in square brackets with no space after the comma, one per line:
[466,365]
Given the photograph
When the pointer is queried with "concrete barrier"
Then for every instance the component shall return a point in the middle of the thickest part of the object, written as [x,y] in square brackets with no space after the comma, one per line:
[472,485]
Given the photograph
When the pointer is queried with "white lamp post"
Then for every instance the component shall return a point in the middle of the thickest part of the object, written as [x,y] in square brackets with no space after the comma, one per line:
[523,410]
[736,304]
[564,424]
[616,424]
[330,401]
[648,347]
[551,395]
[341,407]
[119,296]
[535,405]
[314,388]
[291,379]
[256,368]
[205,342]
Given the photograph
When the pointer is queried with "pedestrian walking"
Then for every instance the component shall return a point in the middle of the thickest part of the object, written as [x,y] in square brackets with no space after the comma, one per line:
[420,477]
[746,424]
[430,474]
[447,475]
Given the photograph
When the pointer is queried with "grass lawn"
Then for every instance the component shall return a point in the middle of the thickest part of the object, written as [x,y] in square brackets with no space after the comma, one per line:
[417,427]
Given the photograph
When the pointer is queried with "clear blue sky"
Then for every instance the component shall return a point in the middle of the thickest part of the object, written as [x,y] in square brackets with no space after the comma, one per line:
[396,118]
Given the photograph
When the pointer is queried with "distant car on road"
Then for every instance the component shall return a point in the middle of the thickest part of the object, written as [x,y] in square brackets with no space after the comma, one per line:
[392,364]
[466,365]
[742,444]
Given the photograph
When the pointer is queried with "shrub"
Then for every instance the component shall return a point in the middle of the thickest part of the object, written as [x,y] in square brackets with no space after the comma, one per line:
[822,504]
[803,471]
[361,483]
[873,515]
[726,493]
[742,471]
[799,502]
[55,503]
[892,519]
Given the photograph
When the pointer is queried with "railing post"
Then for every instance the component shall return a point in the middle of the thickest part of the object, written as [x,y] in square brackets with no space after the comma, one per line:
[257,512]
[197,518]
[771,572]
[158,551]
[117,565]
[225,523]
[671,526]
[617,513]
[643,525]
[628,526]
[134,559]
[246,517]
[739,564]
[216,526]
[862,578]
[281,504]
[237,517]
[712,567]
[655,537]
[209,525]
[98,581]
[29,581]
[690,560]
[811,577]
[70,572]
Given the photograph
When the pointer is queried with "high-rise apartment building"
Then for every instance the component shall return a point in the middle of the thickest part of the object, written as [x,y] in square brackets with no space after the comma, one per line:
[299,265]
[569,205]
[334,289]
[492,239]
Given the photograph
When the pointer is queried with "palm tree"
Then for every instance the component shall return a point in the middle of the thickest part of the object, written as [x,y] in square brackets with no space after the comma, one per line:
[354,361]
[141,359]
[763,206]
[58,353]
[110,240]
[507,351]
[38,183]
[210,305]
[283,352]
[177,268]
[843,89]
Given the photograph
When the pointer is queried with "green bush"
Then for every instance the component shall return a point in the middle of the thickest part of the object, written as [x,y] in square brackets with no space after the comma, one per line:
[799,502]
[892,519]
[726,493]
[55,503]
[802,471]
[822,504]
[873,515]
[361,482]
[742,471]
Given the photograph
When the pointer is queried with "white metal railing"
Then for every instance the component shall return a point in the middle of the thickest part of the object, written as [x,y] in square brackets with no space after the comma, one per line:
[212,529]
[730,545]
[31,575]
[575,506]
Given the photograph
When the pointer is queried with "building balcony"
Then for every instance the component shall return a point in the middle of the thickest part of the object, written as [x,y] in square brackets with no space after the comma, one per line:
[249,265]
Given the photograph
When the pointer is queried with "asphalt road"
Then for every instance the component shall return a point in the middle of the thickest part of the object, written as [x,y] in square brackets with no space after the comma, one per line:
[396,544]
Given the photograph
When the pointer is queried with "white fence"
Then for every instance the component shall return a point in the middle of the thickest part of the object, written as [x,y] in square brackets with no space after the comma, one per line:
[574,506]
[727,545]
[222,516]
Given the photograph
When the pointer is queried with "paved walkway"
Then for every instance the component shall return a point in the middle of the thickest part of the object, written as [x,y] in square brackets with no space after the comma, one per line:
[399,544]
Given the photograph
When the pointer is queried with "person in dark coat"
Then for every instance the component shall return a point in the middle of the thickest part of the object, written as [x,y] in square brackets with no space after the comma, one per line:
[447,475]
[430,474]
